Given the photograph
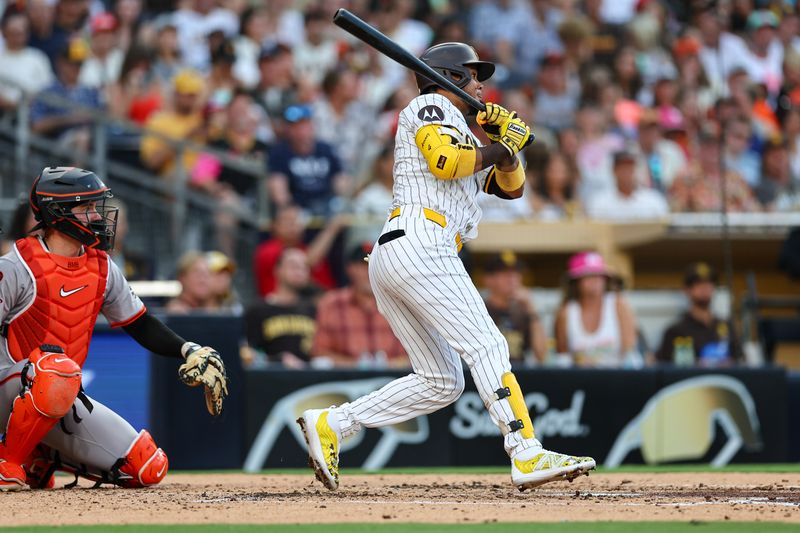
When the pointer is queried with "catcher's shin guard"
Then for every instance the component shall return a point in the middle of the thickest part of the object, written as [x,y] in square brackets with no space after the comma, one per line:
[38,408]
[144,464]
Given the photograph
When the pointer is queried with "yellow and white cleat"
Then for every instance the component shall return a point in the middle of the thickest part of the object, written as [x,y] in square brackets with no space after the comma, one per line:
[323,446]
[537,466]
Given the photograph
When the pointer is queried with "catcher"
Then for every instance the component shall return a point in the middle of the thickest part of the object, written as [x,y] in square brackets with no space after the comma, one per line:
[52,288]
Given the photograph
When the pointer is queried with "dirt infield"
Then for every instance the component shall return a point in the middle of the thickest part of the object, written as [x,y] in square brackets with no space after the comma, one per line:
[446,498]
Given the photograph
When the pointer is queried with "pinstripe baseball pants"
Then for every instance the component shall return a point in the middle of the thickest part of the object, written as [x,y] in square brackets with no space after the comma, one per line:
[434,309]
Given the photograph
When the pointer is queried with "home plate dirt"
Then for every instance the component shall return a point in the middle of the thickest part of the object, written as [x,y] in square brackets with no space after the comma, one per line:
[243,498]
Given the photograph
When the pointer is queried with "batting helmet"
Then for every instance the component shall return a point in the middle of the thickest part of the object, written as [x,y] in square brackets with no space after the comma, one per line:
[453,60]
[58,190]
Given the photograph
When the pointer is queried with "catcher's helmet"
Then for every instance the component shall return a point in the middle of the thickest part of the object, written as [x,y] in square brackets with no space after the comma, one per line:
[57,190]
[453,60]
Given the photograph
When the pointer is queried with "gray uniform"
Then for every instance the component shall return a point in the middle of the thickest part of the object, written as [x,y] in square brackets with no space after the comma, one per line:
[102,436]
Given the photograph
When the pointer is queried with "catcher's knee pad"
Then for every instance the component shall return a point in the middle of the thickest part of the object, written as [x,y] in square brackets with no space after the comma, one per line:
[57,381]
[34,412]
[145,463]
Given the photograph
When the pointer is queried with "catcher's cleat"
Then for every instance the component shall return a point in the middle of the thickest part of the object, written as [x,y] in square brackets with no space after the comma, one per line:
[40,468]
[12,477]
[537,466]
[323,446]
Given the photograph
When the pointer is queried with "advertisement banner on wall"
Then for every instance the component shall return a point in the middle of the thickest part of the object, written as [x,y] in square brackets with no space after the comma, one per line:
[620,417]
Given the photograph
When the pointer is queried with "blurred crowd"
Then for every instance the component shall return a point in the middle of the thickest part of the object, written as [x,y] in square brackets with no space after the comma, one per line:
[640,108]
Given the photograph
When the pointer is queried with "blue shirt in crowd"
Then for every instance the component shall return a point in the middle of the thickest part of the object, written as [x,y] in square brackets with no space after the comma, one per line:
[310,176]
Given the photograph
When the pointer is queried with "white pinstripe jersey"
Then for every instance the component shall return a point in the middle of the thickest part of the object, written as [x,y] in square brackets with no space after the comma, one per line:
[414,184]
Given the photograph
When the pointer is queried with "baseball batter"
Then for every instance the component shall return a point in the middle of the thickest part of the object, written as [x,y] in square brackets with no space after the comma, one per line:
[52,288]
[421,285]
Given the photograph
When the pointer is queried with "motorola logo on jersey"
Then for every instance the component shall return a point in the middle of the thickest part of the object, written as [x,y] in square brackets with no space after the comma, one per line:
[431,113]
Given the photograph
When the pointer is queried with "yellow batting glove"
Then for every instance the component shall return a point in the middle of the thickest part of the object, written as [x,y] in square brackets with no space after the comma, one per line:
[514,135]
[493,118]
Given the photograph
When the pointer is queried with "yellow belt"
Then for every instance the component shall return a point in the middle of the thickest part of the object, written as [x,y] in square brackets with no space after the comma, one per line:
[433,216]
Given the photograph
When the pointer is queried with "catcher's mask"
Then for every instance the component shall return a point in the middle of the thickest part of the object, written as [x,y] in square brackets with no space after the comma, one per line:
[59,190]
[453,61]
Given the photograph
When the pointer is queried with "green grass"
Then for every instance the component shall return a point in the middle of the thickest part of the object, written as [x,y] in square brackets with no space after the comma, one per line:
[572,527]
[767,468]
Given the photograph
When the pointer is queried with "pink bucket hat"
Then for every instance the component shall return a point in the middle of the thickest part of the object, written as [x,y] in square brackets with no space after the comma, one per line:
[586,264]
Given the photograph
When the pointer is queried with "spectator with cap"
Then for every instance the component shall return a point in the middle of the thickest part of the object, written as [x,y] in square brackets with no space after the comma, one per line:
[196,293]
[350,329]
[662,159]
[25,69]
[184,122]
[280,327]
[67,120]
[764,62]
[103,66]
[699,337]
[288,230]
[304,170]
[775,191]
[223,294]
[628,201]
[595,324]
[510,306]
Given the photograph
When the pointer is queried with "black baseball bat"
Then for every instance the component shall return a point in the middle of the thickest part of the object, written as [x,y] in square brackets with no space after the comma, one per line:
[357,27]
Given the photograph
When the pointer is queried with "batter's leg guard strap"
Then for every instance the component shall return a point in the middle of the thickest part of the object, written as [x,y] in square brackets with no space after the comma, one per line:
[145,463]
[523,423]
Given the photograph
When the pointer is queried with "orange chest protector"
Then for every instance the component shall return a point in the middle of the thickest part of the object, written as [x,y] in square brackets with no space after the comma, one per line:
[68,296]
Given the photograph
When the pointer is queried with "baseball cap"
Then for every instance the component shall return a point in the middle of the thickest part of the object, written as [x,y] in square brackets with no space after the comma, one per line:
[76,51]
[219,262]
[359,252]
[686,46]
[585,264]
[103,22]
[297,112]
[188,82]
[760,18]
[551,58]
[697,272]
[505,260]
[273,50]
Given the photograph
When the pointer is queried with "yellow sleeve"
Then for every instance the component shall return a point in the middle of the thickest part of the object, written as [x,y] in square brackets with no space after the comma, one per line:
[446,159]
[512,180]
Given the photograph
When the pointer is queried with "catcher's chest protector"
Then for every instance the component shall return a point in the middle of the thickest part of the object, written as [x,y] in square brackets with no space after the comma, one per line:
[69,295]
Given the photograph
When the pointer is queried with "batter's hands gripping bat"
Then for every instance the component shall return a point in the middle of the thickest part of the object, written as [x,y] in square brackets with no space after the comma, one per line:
[357,27]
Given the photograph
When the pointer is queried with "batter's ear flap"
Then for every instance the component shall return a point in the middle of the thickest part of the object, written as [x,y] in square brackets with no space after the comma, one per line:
[492,187]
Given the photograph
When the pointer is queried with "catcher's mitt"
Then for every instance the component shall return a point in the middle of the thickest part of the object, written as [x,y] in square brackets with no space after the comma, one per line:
[204,366]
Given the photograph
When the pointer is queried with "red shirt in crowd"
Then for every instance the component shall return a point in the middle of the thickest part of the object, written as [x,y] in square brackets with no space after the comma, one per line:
[266,257]
[344,327]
